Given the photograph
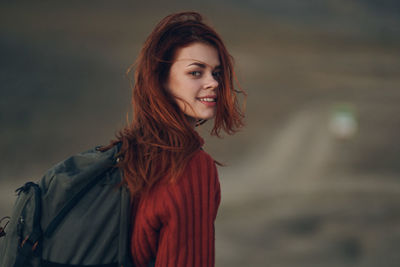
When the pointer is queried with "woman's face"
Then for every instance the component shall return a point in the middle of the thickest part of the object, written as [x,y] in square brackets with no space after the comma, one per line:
[193,80]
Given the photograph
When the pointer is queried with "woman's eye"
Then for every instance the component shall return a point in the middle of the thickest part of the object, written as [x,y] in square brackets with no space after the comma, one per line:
[217,74]
[195,73]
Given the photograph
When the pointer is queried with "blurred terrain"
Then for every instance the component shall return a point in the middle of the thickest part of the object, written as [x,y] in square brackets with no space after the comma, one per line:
[293,192]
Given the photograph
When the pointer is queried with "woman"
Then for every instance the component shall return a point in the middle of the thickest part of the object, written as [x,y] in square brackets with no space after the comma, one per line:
[183,77]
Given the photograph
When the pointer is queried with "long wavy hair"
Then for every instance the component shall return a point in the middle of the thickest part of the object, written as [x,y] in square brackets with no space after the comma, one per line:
[160,141]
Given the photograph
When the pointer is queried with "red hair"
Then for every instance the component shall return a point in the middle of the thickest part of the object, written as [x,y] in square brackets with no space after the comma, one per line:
[160,141]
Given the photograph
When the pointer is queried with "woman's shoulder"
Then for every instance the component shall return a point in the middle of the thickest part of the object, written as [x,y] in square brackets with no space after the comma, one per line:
[201,167]
[201,157]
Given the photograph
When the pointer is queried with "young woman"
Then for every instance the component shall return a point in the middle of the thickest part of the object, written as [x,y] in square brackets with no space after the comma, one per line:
[183,77]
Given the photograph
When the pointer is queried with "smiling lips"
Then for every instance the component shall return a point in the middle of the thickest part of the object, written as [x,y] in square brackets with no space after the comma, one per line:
[208,100]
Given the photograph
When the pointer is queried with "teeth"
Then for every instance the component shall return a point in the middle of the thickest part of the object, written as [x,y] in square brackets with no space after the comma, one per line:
[207,99]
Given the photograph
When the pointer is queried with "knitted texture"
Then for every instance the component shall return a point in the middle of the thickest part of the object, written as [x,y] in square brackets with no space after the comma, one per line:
[174,222]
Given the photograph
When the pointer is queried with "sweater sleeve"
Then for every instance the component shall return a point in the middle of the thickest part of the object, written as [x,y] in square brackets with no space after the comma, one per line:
[183,215]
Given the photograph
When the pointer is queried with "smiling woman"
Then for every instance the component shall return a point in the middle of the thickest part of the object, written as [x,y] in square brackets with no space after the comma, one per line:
[193,81]
[183,77]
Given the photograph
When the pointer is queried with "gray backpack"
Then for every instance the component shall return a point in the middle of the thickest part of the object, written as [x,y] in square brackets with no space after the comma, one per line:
[78,214]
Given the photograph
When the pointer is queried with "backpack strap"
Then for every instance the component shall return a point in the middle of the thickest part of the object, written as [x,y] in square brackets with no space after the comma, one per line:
[2,229]
[69,205]
[31,242]
[124,252]
[77,197]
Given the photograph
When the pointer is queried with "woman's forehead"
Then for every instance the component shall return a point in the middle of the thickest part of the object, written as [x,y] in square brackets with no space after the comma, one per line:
[199,53]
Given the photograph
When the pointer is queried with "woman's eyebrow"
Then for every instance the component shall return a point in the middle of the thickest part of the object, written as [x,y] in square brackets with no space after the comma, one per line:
[202,65]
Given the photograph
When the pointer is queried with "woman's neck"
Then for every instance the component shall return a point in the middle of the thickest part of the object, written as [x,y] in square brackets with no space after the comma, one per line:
[192,121]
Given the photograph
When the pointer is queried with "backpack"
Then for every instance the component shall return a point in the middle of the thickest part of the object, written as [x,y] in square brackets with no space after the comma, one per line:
[78,215]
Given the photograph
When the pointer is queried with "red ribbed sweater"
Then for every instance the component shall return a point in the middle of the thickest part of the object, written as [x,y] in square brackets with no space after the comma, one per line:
[174,222]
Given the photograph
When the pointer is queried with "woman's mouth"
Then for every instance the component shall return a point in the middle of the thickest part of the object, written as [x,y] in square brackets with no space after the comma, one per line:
[208,101]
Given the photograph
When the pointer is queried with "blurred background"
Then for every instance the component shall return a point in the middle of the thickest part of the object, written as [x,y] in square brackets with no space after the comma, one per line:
[313,179]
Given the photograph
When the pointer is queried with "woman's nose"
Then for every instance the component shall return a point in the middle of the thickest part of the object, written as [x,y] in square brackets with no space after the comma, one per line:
[211,82]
